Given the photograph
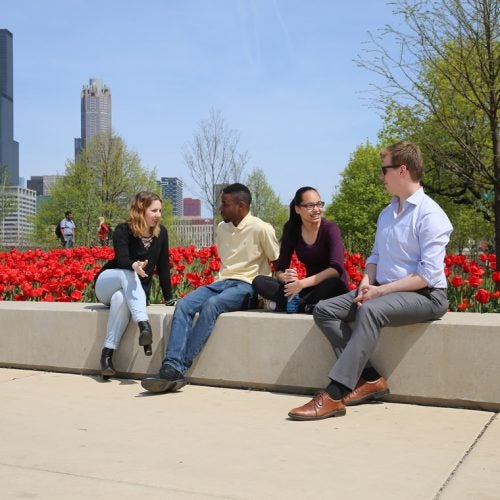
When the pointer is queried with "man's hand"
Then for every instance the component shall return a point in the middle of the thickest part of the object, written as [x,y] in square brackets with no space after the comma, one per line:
[367,292]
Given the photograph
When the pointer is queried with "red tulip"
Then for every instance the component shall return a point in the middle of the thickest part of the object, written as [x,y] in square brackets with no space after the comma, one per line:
[482,296]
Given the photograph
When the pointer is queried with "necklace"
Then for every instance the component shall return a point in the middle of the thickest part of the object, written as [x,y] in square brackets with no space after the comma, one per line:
[146,241]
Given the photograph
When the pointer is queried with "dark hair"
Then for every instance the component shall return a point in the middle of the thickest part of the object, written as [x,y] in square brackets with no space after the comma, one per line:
[239,191]
[67,213]
[291,229]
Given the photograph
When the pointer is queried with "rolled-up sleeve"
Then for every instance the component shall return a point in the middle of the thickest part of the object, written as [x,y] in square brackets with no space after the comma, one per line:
[434,235]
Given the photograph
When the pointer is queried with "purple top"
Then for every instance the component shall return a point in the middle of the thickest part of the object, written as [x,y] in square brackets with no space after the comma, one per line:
[327,251]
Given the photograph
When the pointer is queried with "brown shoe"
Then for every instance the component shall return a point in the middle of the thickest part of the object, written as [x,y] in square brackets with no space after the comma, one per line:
[366,391]
[321,406]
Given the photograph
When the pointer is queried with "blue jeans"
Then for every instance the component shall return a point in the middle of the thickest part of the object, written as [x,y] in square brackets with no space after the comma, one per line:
[120,289]
[186,340]
[68,241]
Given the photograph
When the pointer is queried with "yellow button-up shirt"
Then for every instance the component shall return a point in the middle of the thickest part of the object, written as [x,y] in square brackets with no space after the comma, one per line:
[246,249]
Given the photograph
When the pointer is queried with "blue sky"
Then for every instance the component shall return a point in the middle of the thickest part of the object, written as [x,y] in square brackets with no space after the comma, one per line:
[280,71]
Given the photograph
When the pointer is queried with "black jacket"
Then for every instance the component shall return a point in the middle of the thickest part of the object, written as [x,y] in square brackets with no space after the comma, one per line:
[129,248]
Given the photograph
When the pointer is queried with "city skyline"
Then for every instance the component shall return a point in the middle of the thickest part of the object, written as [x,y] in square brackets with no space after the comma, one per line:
[282,75]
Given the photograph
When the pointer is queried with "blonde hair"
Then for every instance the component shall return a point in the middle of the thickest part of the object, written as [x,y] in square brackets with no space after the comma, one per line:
[406,153]
[136,220]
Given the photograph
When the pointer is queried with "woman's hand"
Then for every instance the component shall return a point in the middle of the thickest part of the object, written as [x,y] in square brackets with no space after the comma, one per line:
[138,266]
[292,283]
[290,275]
[293,288]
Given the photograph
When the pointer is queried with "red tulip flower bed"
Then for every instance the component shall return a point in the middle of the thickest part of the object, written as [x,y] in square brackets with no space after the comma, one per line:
[67,275]
[472,286]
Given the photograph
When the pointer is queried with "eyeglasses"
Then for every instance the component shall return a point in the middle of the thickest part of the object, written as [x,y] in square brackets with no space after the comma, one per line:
[385,167]
[312,206]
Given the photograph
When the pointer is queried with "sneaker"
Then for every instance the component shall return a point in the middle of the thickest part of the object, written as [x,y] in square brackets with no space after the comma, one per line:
[168,380]
[269,305]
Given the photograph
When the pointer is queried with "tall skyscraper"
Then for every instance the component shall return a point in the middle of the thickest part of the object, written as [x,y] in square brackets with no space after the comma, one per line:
[9,148]
[171,189]
[95,112]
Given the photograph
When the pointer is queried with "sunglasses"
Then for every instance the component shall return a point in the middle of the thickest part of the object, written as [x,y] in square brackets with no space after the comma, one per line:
[385,167]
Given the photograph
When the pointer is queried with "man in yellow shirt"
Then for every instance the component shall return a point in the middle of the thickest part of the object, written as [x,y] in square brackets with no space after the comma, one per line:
[246,245]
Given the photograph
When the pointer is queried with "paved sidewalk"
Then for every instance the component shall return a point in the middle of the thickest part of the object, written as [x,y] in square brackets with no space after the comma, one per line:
[74,437]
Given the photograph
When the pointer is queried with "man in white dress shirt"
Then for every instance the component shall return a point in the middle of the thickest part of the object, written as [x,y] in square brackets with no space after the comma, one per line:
[404,283]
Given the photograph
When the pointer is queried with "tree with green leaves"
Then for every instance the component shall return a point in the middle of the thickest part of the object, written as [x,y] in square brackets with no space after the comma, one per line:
[266,203]
[213,159]
[445,71]
[359,199]
[101,181]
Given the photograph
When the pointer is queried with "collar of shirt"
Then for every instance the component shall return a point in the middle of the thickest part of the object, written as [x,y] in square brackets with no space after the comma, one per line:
[243,222]
[415,199]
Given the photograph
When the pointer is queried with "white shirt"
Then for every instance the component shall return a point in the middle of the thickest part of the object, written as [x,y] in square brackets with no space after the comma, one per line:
[67,226]
[413,241]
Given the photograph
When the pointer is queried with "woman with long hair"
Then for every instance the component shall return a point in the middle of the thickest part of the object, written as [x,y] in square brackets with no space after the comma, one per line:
[103,231]
[124,283]
[318,246]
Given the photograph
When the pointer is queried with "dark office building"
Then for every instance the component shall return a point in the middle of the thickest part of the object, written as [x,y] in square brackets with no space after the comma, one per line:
[171,189]
[9,148]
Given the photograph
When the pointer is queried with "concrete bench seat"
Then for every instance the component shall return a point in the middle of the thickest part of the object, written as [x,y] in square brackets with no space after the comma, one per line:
[450,362]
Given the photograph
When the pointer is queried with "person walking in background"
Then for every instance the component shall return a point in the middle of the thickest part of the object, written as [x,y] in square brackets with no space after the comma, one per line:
[103,232]
[404,283]
[68,227]
[319,247]
[124,283]
[246,245]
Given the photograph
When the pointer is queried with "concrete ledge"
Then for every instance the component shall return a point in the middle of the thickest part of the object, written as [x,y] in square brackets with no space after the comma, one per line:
[450,362]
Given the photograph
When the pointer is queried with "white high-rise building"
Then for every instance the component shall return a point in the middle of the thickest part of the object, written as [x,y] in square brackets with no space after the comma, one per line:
[17,205]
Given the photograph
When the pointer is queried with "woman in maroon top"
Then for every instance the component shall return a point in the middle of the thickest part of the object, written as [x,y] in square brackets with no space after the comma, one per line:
[319,247]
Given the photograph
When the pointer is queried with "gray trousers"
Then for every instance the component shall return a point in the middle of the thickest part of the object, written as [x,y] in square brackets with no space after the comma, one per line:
[354,343]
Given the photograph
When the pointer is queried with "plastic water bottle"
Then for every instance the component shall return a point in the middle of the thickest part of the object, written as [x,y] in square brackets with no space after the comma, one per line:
[292,306]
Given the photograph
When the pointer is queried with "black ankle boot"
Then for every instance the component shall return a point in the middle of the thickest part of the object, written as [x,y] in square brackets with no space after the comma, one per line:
[145,333]
[107,368]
